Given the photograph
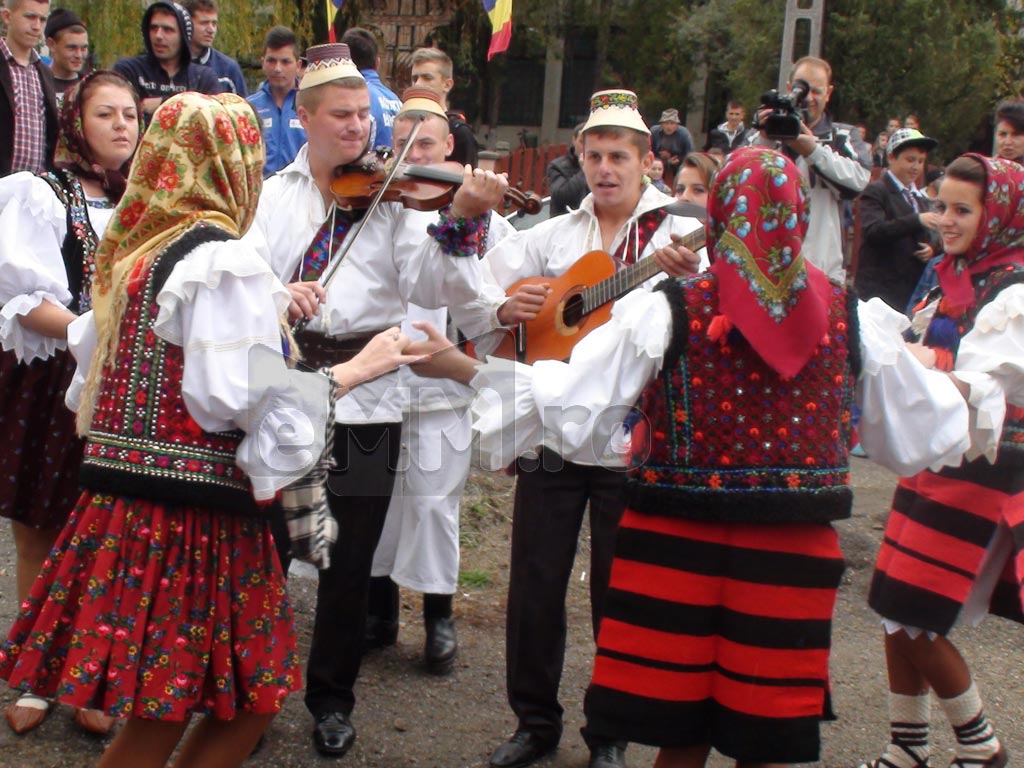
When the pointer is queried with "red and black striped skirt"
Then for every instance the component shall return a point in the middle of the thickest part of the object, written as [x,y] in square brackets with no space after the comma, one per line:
[717,634]
[939,531]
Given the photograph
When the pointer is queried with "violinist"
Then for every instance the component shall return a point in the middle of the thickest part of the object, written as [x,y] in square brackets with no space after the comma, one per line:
[627,218]
[419,548]
[400,255]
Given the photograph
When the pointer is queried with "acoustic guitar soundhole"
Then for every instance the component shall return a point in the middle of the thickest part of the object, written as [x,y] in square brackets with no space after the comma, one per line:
[573,312]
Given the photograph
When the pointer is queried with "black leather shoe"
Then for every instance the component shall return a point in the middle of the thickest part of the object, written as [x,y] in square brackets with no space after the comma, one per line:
[523,749]
[607,756]
[333,734]
[380,633]
[442,645]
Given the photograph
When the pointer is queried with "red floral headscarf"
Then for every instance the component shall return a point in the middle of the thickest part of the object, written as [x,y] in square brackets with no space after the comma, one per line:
[73,152]
[200,161]
[757,219]
[1000,235]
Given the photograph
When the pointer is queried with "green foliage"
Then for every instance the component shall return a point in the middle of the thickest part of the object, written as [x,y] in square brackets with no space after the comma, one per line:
[738,41]
[115,26]
[939,60]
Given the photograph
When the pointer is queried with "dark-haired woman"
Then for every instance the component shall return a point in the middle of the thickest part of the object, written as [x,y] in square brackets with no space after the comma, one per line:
[954,544]
[49,228]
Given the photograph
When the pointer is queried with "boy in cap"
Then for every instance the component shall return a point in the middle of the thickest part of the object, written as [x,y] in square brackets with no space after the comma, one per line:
[68,41]
[899,231]
[626,217]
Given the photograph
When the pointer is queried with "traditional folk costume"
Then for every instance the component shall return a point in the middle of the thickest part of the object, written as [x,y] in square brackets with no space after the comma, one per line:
[163,596]
[552,494]
[716,627]
[953,549]
[49,231]
[419,545]
[393,261]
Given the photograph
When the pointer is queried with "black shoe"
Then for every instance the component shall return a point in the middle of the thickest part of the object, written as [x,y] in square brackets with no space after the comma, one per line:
[441,647]
[607,756]
[523,749]
[380,633]
[333,734]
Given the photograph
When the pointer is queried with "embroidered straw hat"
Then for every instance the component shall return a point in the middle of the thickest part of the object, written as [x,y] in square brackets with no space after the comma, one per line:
[420,99]
[615,108]
[327,62]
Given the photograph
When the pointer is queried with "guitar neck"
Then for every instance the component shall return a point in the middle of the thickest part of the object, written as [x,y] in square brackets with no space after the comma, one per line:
[625,280]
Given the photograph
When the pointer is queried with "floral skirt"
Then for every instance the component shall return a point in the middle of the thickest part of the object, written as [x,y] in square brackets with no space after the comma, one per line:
[157,611]
[41,453]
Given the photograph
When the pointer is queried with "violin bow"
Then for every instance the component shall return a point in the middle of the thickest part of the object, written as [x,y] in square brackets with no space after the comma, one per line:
[343,248]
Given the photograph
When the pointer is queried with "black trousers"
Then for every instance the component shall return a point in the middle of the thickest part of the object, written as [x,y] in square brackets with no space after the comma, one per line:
[358,494]
[551,497]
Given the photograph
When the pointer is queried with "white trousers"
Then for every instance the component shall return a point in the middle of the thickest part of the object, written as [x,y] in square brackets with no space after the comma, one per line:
[419,547]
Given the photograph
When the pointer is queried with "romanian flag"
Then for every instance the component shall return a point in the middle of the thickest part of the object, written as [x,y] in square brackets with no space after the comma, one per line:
[500,13]
[332,10]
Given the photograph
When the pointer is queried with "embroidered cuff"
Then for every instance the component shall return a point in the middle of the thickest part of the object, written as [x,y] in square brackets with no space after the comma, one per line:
[459,236]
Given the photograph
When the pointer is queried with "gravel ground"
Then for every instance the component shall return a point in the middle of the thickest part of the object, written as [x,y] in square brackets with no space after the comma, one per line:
[406,717]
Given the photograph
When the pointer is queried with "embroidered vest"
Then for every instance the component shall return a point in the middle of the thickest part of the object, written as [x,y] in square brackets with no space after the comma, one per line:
[723,437]
[950,324]
[79,247]
[142,441]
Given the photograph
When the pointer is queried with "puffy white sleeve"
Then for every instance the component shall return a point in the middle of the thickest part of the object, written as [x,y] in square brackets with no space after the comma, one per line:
[432,278]
[222,305]
[990,361]
[33,224]
[574,408]
[81,343]
[911,417]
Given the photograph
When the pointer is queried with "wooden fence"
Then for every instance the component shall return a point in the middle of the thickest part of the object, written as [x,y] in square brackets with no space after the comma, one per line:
[526,167]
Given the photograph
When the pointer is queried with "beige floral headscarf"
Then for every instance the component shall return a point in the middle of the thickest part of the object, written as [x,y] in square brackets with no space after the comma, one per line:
[200,161]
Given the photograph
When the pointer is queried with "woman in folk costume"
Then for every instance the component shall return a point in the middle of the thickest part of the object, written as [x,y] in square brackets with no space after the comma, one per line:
[50,226]
[718,618]
[163,596]
[954,543]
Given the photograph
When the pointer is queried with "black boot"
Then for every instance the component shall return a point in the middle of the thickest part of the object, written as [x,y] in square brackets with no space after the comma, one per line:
[381,614]
[442,644]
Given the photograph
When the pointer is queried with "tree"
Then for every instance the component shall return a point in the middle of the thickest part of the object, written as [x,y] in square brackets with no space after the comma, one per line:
[115,26]
[949,61]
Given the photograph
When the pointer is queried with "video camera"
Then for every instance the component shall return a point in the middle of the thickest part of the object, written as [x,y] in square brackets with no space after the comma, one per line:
[786,115]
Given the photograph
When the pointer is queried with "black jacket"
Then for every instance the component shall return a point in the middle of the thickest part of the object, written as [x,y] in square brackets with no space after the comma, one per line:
[890,233]
[7,113]
[566,183]
[149,78]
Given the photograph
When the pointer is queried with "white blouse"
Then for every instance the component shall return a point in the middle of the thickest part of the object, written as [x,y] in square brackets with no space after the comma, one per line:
[576,408]
[33,225]
[222,304]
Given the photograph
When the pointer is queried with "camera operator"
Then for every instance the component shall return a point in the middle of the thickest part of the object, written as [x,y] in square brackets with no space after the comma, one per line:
[834,159]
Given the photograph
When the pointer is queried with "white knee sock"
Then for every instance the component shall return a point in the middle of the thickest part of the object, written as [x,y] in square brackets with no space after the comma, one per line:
[975,737]
[909,717]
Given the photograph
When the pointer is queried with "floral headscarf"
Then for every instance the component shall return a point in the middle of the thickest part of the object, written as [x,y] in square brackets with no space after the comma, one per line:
[73,152]
[757,219]
[1000,235]
[200,161]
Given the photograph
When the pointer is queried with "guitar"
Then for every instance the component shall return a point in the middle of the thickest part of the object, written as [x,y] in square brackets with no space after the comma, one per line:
[580,301]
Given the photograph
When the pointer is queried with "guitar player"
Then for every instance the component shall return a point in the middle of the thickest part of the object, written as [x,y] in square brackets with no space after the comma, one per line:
[625,217]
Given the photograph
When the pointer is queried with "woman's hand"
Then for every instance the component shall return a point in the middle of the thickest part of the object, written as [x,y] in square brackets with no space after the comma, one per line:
[925,355]
[384,353]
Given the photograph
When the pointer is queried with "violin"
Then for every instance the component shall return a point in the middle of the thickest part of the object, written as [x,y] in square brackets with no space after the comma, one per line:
[419,187]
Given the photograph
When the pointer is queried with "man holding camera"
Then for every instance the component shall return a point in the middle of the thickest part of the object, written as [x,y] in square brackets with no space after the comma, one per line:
[834,159]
